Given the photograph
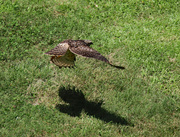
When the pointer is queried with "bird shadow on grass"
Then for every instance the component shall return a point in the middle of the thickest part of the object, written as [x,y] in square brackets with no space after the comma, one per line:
[76,102]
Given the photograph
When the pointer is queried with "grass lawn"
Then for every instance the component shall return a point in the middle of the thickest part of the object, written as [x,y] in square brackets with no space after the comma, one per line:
[93,99]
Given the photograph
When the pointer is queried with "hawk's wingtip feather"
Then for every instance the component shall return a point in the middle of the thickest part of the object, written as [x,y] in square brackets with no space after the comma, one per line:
[118,67]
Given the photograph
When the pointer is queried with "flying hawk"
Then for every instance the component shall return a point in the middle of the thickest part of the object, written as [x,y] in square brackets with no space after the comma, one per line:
[63,55]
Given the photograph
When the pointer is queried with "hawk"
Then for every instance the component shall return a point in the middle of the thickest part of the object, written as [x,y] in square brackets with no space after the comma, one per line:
[64,54]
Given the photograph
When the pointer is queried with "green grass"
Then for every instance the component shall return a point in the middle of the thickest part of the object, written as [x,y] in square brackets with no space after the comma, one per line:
[94,99]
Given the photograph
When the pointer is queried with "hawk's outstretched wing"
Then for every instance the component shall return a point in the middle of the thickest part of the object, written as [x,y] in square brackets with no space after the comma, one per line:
[87,51]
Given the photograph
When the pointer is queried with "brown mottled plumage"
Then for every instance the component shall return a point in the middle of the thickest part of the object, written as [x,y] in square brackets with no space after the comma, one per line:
[63,55]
